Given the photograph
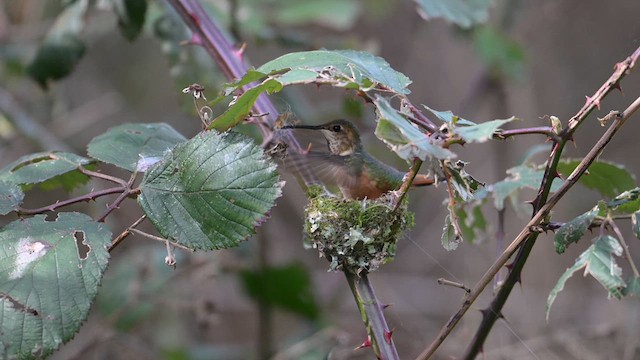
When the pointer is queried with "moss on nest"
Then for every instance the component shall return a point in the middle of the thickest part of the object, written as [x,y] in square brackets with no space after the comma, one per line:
[354,235]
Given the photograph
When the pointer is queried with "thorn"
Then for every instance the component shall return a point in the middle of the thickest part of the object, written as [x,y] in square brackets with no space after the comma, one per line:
[485,313]
[195,40]
[558,175]
[365,344]
[618,87]
[195,19]
[385,306]
[509,267]
[388,335]
[594,100]
[240,52]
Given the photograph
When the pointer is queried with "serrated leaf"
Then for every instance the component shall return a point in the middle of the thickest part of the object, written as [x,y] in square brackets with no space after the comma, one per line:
[481,132]
[598,261]
[347,68]
[287,287]
[520,177]
[49,169]
[211,191]
[134,146]
[241,107]
[626,203]
[448,117]
[11,196]
[608,178]
[572,231]
[450,238]
[131,16]
[464,13]
[49,277]
[404,138]
[62,47]
[633,287]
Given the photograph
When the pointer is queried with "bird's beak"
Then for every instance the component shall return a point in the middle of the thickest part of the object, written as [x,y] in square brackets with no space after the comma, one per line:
[310,127]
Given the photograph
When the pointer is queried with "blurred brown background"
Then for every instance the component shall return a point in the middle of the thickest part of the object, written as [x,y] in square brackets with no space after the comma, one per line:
[200,311]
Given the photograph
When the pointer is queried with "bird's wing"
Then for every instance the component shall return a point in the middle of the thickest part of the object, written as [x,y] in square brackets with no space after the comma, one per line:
[329,169]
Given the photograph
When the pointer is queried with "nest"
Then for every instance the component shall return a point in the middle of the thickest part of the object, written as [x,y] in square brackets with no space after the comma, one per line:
[355,235]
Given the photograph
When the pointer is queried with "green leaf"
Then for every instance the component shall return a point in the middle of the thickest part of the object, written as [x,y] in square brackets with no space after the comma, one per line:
[347,68]
[211,191]
[503,56]
[131,15]
[633,287]
[464,13]
[626,203]
[573,231]
[134,146]
[450,238]
[598,261]
[62,47]
[520,177]
[49,277]
[473,224]
[448,117]
[481,132]
[404,138]
[241,107]
[49,169]
[608,178]
[11,196]
[287,287]
[335,14]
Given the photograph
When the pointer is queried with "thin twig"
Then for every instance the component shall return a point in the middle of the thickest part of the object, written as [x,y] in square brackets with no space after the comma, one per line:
[408,180]
[543,130]
[443,281]
[627,253]
[102,176]
[118,239]
[158,238]
[82,198]
[524,234]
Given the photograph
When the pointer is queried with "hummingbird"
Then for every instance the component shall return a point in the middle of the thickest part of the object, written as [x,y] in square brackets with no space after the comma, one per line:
[349,166]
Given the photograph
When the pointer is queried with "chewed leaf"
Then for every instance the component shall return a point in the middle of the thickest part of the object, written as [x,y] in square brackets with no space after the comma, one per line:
[403,137]
[598,261]
[573,231]
[134,146]
[450,237]
[49,169]
[481,132]
[346,68]
[49,276]
[464,13]
[211,191]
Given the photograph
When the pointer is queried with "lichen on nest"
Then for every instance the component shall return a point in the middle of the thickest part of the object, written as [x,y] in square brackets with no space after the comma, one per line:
[355,235]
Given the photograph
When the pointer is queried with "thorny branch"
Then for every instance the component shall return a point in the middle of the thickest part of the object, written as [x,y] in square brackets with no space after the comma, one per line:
[541,211]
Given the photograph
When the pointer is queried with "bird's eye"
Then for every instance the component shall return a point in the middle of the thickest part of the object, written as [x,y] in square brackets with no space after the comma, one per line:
[336,128]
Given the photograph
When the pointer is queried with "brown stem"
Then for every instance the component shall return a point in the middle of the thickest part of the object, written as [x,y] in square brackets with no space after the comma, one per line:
[627,253]
[116,241]
[83,198]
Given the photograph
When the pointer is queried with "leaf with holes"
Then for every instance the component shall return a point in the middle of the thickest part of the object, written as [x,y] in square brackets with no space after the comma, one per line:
[450,237]
[572,231]
[11,196]
[48,169]
[343,68]
[627,202]
[134,146]
[49,276]
[598,261]
[464,13]
[404,138]
[211,191]
[608,178]
[287,287]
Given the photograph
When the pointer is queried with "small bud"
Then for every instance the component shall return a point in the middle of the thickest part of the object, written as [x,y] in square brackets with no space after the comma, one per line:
[556,124]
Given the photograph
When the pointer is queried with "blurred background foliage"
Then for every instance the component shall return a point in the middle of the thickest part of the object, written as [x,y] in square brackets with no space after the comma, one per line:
[69,70]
